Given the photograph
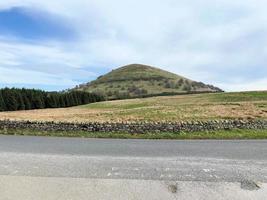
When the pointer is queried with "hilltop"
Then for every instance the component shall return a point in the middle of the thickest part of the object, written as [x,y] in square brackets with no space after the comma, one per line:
[138,80]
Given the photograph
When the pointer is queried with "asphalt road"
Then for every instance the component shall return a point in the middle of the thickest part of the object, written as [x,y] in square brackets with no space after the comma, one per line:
[120,161]
[225,149]
[212,160]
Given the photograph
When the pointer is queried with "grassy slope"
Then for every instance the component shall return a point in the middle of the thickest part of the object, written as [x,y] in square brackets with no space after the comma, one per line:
[189,107]
[153,80]
[243,105]
[175,108]
[241,96]
[233,134]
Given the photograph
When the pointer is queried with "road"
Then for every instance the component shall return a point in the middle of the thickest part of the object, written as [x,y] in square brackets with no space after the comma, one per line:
[164,168]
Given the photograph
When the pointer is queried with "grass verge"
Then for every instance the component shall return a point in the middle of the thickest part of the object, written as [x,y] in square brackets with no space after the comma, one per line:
[222,134]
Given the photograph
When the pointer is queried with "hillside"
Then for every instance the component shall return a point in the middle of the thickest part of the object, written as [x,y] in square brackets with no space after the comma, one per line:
[138,80]
[244,105]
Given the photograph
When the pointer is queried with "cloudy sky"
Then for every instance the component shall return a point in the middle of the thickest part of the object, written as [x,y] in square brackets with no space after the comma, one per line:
[55,45]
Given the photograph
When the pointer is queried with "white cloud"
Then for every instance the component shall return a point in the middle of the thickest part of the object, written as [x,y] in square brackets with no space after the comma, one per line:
[249,86]
[46,64]
[18,76]
[211,41]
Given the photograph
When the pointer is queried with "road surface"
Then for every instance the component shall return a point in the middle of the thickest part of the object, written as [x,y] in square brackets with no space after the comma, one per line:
[79,168]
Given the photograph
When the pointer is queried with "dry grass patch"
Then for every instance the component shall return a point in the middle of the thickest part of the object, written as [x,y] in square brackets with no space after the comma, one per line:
[171,108]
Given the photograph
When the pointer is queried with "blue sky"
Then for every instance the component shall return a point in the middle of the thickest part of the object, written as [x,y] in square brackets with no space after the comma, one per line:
[54,45]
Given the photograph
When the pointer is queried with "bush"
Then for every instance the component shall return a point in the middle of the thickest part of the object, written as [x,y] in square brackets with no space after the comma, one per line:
[180,83]
[187,88]
[170,84]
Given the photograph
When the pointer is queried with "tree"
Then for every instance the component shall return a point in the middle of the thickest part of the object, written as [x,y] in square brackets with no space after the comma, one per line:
[25,99]
[38,102]
[20,101]
[187,88]
[70,99]
[51,101]
[169,84]
[2,102]
[109,93]
[75,98]
[26,102]
[144,91]
[180,83]
[62,101]
[10,99]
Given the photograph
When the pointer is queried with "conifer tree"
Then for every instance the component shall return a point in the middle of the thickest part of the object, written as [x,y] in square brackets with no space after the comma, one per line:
[2,102]
[25,99]
[20,101]
[10,99]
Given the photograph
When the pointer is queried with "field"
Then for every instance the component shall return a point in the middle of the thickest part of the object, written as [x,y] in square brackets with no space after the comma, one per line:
[244,105]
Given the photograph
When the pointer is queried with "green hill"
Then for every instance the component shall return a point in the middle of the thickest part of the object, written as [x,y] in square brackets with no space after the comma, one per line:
[138,80]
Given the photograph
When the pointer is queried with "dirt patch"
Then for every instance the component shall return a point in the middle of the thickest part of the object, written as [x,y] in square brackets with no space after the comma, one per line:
[172,188]
[249,185]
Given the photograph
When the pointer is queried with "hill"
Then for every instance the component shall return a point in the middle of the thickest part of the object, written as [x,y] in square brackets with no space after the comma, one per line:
[138,80]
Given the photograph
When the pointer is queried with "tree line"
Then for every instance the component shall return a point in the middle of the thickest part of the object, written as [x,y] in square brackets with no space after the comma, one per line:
[12,99]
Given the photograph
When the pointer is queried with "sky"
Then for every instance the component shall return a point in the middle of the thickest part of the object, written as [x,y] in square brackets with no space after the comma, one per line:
[55,45]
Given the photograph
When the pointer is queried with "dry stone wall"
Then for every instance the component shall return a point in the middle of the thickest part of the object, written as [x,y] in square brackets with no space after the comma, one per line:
[137,127]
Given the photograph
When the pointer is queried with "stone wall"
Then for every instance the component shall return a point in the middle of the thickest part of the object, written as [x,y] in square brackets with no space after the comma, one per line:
[137,127]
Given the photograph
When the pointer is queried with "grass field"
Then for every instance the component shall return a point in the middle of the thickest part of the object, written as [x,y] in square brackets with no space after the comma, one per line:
[229,134]
[243,105]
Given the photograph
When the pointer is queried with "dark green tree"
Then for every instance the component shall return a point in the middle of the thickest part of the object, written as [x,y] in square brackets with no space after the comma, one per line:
[20,101]
[62,102]
[25,99]
[10,99]
[2,102]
